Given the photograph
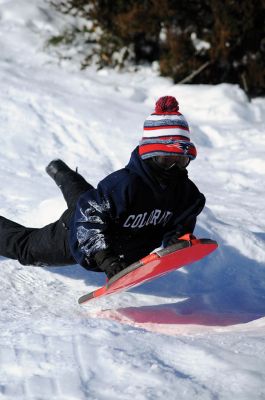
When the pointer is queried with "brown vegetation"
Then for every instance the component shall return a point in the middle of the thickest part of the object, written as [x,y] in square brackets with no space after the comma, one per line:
[196,41]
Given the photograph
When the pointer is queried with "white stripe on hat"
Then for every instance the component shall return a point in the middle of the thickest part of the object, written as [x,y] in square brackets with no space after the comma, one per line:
[148,133]
[157,117]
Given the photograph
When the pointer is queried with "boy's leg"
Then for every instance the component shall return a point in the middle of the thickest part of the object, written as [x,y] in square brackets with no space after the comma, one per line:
[37,246]
[47,245]
[70,182]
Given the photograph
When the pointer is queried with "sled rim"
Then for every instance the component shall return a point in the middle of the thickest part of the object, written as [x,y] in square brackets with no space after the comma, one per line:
[112,286]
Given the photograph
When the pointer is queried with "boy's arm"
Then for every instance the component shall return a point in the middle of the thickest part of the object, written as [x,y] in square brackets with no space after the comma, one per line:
[94,216]
[185,223]
[91,222]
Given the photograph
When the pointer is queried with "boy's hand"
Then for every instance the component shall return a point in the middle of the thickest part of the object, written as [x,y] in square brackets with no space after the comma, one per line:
[114,268]
[109,263]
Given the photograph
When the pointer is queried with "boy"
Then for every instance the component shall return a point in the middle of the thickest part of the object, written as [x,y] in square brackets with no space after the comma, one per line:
[132,211]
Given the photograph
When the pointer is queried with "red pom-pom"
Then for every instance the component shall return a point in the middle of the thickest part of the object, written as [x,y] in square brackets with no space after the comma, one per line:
[166,104]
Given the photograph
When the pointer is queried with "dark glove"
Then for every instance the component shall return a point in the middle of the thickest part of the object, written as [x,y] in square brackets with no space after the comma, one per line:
[178,239]
[109,263]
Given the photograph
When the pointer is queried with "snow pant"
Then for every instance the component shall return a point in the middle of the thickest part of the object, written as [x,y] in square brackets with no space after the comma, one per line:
[47,245]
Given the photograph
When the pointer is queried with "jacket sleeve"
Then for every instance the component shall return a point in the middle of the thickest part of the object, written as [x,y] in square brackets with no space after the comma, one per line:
[186,222]
[93,216]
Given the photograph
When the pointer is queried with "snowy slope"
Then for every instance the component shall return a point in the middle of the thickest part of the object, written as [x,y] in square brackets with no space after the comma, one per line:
[198,332]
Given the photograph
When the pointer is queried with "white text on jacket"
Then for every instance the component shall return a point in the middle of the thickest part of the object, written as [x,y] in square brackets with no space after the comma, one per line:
[155,217]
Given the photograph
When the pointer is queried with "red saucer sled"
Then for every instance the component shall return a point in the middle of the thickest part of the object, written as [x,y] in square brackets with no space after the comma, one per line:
[156,264]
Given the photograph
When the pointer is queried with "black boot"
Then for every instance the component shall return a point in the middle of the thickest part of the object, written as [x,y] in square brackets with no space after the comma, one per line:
[71,183]
[57,170]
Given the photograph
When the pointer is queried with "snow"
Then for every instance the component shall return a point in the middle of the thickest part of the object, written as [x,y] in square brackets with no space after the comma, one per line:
[198,332]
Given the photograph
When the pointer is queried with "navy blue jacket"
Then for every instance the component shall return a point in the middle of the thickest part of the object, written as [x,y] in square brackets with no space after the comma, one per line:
[132,214]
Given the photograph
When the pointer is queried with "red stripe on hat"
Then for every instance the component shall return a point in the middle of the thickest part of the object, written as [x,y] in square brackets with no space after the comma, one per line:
[168,148]
[167,113]
[153,128]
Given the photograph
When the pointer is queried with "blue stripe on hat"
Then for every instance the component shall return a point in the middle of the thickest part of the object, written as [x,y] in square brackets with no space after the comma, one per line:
[163,141]
[165,122]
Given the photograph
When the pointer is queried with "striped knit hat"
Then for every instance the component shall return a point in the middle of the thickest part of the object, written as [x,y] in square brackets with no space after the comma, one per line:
[166,132]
